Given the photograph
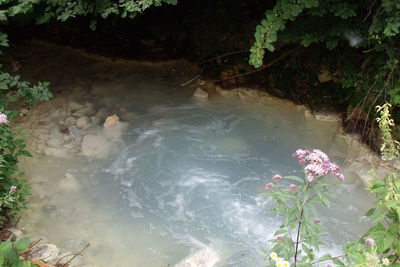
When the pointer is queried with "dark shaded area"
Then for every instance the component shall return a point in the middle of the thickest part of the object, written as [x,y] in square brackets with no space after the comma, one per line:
[216,35]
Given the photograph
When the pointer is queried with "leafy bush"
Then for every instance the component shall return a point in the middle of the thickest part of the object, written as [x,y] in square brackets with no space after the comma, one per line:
[360,37]
[383,239]
[13,254]
[13,191]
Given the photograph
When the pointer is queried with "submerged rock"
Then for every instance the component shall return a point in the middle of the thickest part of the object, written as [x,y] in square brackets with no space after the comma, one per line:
[114,133]
[56,152]
[114,128]
[73,106]
[205,257]
[111,121]
[70,183]
[83,122]
[95,146]
[54,142]
[44,252]
[200,94]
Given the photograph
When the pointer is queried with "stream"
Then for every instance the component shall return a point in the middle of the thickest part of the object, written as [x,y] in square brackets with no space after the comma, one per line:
[178,175]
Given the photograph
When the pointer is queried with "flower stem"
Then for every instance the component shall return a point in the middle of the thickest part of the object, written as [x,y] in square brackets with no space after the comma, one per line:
[299,224]
[298,237]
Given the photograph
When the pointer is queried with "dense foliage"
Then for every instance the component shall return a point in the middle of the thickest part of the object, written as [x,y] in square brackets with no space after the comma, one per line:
[13,254]
[361,39]
[13,191]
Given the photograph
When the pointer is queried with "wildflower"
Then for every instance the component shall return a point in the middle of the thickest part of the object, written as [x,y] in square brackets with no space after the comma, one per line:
[340,177]
[285,264]
[301,155]
[369,241]
[273,255]
[13,188]
[269,186]
[372,259]
[385,261]
[3,118]
[279,239]
[317,156]
[279,264]
[293,187]
[316,220]
[279,260]
[277,177]
[333,168]
[317,164]
[314,170]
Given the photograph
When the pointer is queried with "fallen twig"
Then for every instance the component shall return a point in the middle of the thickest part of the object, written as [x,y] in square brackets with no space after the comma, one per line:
[31,245]
[75,255]
[41,263]
[224,55]
[193,79]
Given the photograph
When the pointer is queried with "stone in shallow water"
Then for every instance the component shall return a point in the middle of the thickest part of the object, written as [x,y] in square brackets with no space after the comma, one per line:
[95,146]
[205,257]
[111,121]
[75,106]
[70,183]
[200,94]
[53,142]
[83,122]
[56,152]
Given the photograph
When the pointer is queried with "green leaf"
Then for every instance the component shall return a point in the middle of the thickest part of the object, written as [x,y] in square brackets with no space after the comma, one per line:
[338,262]
[5,248]
[325,257]
[281,231]
[21,263]
[370,212]
[22,244]
[379,217]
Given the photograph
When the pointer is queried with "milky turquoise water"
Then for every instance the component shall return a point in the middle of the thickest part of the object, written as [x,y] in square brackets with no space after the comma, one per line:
[187,175]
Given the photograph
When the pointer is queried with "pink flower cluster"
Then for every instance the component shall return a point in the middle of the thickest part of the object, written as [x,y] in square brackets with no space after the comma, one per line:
[317,163]
[277,177]
[293,187]
[369,241]
[3,118]
[268,186]
[316,220]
